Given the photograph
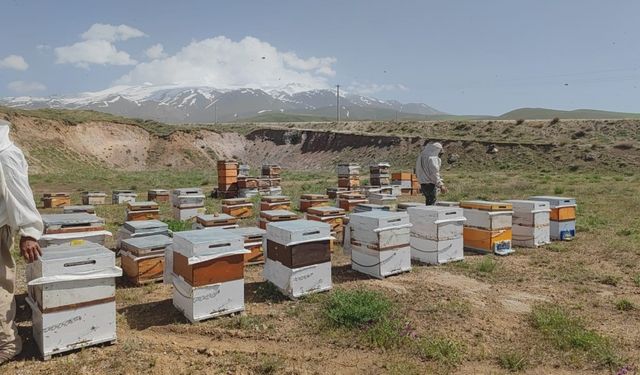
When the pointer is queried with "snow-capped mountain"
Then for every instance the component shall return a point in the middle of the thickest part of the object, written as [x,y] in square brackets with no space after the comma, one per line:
[175,104]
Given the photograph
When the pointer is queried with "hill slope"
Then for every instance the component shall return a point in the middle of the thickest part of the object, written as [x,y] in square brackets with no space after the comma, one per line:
[547,114]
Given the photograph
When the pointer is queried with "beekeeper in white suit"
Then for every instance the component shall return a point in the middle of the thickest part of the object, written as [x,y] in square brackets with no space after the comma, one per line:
[428,172]
[18,214]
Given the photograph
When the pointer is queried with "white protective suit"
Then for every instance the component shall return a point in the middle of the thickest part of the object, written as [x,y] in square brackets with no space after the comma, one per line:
[18,214]
[428,165]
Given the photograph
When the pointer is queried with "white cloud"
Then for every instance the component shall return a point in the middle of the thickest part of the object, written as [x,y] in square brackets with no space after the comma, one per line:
[22,87]
[92,52]
[111,33]
[222,63]
[14,62]
[373,88]
[98,47]
[155,52]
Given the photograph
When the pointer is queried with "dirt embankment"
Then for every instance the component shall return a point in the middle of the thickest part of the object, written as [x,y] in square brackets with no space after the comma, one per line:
[52,145]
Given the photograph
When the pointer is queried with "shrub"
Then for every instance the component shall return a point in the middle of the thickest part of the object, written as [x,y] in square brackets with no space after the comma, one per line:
[443,350]
[625,305]
[555,120]
[513,361]
[356,308]
[486,265]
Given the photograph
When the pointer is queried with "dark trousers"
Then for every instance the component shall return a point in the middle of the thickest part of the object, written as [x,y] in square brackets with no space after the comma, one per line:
[430,193]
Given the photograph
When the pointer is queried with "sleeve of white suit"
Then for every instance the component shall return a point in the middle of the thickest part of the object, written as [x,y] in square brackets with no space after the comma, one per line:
[434,168]
[21,208]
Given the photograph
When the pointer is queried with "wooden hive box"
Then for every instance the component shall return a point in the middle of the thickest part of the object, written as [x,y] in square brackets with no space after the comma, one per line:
[275,215]
[312,200]
[94,198]
[158,195]
[488,241]
[348,182]
[247,182]
[271,170]
[237,207]
[137,211]
[143,258]
[69,223]
[217,270]
[216,220]
[252,242]
[56,200]
[79,209]
[350,204]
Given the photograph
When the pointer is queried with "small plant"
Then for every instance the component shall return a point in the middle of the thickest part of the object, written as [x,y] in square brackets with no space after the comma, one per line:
[557,247]
[356,308]
[442,350]
[486,265]
[636,280]
[555,120]
[520,121]
[268,366]
[610,280]
[177,225]
[513,361]
[558,190]
[625,305]
[387,333]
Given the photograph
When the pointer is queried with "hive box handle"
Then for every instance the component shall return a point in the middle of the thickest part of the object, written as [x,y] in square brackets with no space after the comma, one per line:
[81,263]
[311,233]
[219,245]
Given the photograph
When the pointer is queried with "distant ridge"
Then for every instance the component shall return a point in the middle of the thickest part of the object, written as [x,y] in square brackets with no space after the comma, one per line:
[547,114]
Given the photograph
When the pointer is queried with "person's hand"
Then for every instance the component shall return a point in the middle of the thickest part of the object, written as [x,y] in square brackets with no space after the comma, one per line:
[29,249]
[443,189]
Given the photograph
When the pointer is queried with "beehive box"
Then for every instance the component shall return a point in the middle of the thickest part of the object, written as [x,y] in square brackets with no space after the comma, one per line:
[143,258]
[247,183]
[488,241]
[216,220]
[71,223]
[271,170]
[252,242]
[142,211]
[298,282]
[330,215]
[88,209]
[488,215]
[184,192]
[367,207]
[189,201]
[348,169]
[403,206]
[122,196]
[56,200]
[530,223]
[94,198]
[243,170]
[562,209]
[136,229]
[158,195]
[208,301]
[293,232]
[436,234]
[312,200]
[380,264]
[275,215]
[380,230]
[350,182]
[381,169]
[237,207]
[384,200]
[275,202]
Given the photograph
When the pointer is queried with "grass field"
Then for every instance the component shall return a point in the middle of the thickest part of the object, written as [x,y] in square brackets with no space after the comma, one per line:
[565,308]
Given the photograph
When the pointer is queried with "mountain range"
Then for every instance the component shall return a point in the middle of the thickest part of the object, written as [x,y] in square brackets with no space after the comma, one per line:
[172,104]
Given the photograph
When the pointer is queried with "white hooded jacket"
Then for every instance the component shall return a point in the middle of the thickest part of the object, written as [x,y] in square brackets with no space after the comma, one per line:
[17,207]
[428,165]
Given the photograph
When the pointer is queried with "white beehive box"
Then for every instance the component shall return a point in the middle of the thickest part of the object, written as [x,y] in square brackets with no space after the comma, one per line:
[380,230]
[183,192]
[123,196]
[298,282]
[292,232]
[206,243]
[63,331]
[76,238]
[530,213]
[184,214]
[384,200]
[209,301]
[436,223]
[189,201]
[562,230]
[403,206]
[555,201]
[437,251]
[489,220]
[526,236]
[72,275]
[380,264]
[348,169]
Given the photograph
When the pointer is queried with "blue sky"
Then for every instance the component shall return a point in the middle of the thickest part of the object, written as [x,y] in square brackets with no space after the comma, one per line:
[462,57]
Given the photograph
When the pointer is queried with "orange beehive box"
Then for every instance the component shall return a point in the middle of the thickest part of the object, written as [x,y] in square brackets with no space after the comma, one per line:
[56,200]
[240,211]
[227,180]
[406,176]
[350,204]
[348,182]
[147,269]
[143,215]
[312,200]
[227,173]
[266,206]
[218,270]
[486,205]
[563,213]
[488,241]
[227,164]
[247,182]
[255,256]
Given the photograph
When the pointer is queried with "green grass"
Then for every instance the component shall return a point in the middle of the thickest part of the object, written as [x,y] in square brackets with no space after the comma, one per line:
[513,361]
[442,350]
[356,308]
[487,265]
[625,305]
[177,225]
[568,333]
[636,280]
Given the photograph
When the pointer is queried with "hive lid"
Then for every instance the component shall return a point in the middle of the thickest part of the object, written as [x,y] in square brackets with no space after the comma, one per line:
[203,237]
[486,205]
[123,191]
[70,219]
[187,191]
[277,213]
[159,191]
[148,242]
[137,226]
[79,208]
[325,210]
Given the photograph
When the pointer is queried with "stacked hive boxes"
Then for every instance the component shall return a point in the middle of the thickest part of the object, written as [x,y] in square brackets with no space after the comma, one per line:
[123,196]
[407,181]
[208,273]
[298,257]
[187,203]
[488,226]
[380,174]
[333,192]
[60,229]
[137,211]
[380,243]
[383,200]
[252,242]
[94,198]
[563,216]
[243,170]
[333,216]
[275,202]
[248,186]
[348,201]
[275,215]
[227,178]
[79,209]
[348,175]
[137,229]
[56,200]
[158,195]
[143,258]
[271,174]
[223,221]
[71,292]
[237,207]
[436,234]
[312,200]
[530,223]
